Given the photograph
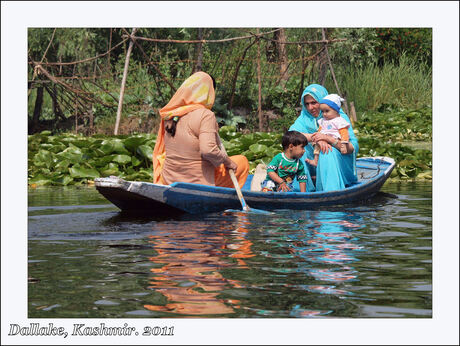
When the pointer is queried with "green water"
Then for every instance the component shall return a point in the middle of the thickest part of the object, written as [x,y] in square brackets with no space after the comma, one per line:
[361,260]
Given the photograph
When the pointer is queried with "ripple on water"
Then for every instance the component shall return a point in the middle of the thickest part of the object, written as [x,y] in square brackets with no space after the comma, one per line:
[366,260]
[105,302]
[143,313]
[422,287]
[392,234]
[392,311]
[49,308]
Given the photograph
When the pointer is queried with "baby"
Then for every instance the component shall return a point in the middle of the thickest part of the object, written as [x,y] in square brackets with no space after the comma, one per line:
[332,124]
[285,166]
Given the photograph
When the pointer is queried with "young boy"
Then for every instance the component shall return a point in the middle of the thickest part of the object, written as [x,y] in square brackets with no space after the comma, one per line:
[285,166]
[331,124]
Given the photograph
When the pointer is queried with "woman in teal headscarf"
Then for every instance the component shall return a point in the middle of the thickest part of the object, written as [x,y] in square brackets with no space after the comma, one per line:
[335,171]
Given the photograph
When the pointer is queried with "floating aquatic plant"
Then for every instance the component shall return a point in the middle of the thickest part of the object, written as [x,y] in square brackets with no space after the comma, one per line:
[74,159]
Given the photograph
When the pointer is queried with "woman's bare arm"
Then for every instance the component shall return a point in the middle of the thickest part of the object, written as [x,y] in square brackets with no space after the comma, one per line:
[326,143]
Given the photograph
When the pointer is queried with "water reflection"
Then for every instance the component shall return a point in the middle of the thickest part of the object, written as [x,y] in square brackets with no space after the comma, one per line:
[190,268]
[242,246]
[371,259]
[190,261]
[328,243]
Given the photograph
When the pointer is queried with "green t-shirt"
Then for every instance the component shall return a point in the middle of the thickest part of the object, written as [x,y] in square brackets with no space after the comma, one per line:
[287,169]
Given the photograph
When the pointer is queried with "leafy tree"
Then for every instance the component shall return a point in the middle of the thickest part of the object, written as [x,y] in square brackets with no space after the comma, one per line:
[358,50]
[416,43]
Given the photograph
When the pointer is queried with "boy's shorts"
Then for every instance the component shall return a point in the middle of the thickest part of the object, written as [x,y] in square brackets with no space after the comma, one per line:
[269,185]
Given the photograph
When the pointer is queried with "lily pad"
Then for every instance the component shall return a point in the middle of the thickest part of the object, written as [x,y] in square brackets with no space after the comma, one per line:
[82,172]
[73,154]
[102,161]
[40,180]
[114,145]
[110,169]
[122,159]
[63,180]
[43,158]
[135,161]
[62,165]
[132,143]
[145,151]
[258,148]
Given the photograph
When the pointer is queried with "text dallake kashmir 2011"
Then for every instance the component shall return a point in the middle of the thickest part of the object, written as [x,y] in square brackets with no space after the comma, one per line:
[82,329]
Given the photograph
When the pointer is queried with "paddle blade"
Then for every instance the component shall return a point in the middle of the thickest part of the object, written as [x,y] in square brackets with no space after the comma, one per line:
[249,211]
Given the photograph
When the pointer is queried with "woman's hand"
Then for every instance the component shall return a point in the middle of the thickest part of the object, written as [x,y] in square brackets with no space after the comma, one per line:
[326,143]
[324,146]
[229,164]
[316,137]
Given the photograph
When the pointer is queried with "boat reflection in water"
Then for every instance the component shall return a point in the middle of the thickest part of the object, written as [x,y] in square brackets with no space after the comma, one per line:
[204,271]
[191,259]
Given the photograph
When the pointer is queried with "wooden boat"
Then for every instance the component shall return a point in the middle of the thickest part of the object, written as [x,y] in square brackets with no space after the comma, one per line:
[178,198]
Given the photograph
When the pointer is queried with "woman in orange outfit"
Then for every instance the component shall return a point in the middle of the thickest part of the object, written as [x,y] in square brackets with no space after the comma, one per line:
[188,147]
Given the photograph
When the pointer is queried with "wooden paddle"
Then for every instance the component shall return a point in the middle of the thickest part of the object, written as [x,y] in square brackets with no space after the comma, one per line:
[238,190]
[234,180]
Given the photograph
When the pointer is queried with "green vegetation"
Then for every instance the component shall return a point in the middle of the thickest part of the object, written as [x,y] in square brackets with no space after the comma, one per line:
[402,85]
[385,72]
[375,68]
[75,159]
[396,135]
[397,126]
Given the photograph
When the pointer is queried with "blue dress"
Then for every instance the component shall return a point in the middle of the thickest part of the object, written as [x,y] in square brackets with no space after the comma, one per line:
[335,171]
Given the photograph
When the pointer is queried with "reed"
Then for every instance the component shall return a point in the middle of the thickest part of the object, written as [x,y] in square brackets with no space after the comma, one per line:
[407,85]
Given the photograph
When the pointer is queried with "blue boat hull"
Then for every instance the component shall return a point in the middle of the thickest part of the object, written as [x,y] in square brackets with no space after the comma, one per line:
[163,200]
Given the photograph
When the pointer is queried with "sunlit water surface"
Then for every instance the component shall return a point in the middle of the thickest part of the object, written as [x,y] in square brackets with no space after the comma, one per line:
[365,260]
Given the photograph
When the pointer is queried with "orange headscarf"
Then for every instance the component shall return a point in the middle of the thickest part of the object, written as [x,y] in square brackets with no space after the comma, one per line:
[196,92]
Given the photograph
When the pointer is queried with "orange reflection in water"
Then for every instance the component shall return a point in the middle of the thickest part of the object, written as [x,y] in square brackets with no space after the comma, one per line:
[191,259]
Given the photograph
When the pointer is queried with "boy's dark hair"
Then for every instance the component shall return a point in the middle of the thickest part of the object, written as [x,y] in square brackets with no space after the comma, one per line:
[293,137]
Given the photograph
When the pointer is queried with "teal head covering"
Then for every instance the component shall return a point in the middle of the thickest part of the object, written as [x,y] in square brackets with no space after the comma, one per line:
[334,170]
[306,122]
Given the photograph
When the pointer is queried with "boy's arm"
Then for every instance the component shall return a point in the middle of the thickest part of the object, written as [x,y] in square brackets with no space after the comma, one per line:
[303,187]
[272,167]
[275,177]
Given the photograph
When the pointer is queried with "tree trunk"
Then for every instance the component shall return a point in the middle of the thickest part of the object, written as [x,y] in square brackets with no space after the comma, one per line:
[259,107]
[199,52]
[322,61]
[110,47]
[304,65]
[344,104]
[38,108]
[76,115]
[60,66]
[230,104]
[224,64]
[353,113]
[56,108]
[123,82]
[282,54]
[91,117]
